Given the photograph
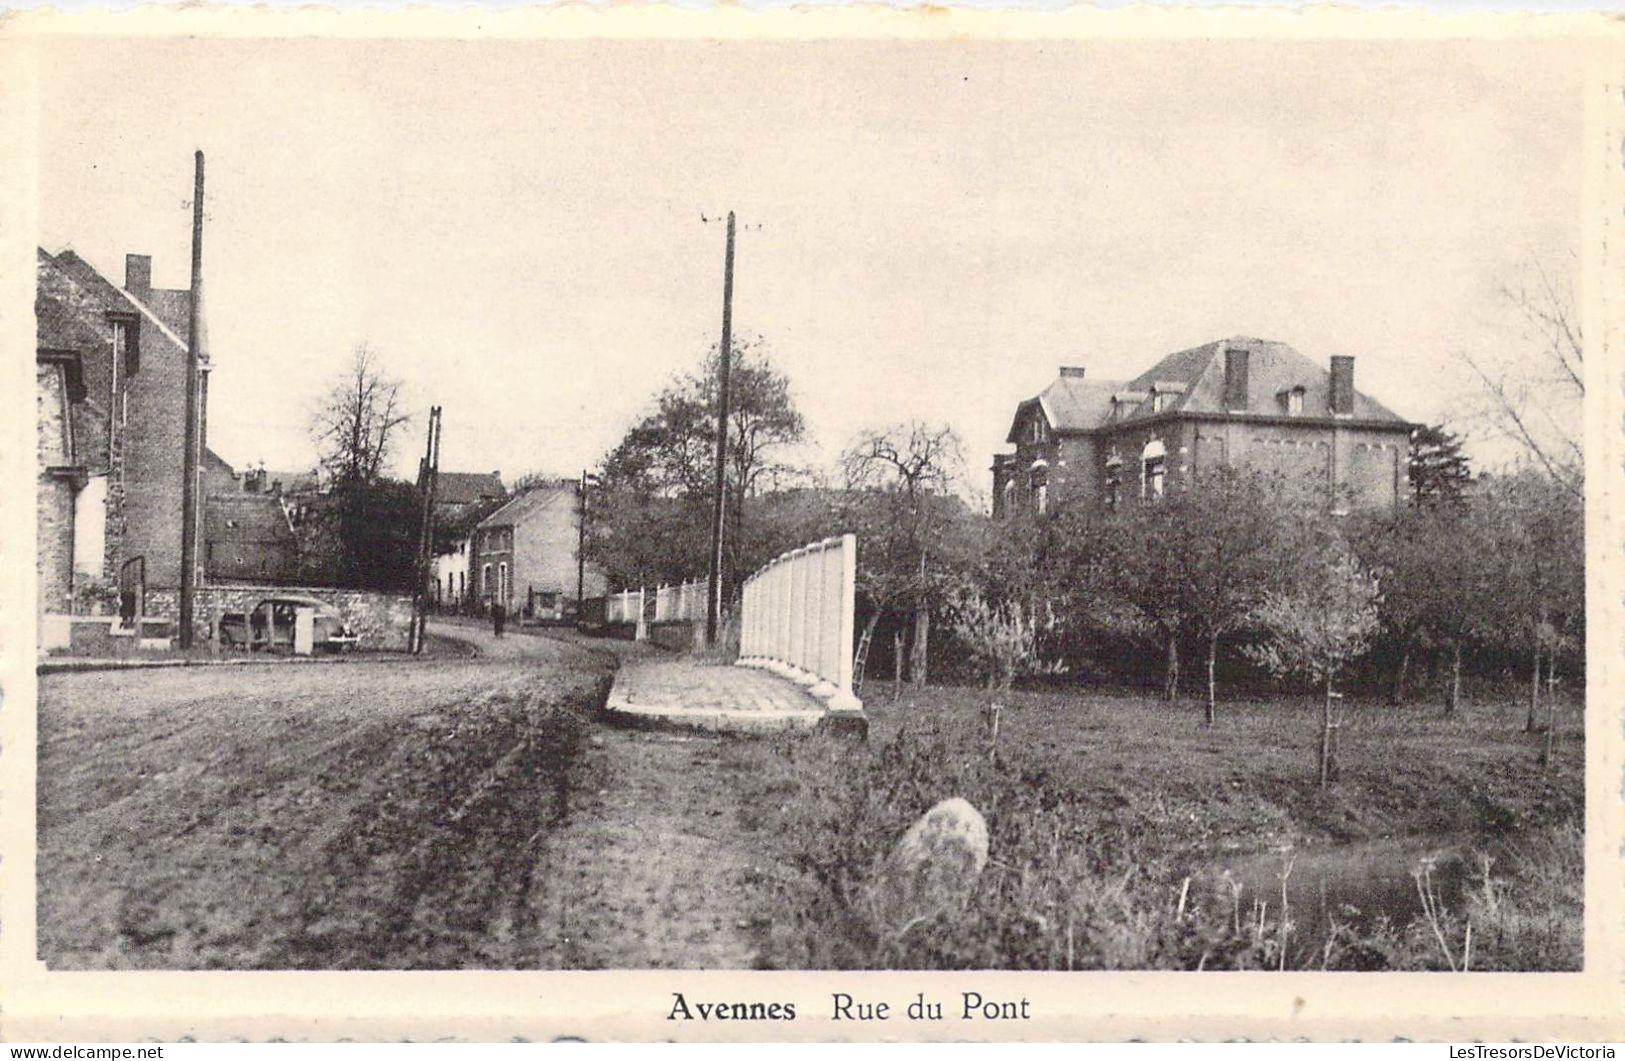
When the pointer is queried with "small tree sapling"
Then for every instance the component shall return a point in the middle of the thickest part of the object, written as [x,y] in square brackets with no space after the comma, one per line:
[1316,625]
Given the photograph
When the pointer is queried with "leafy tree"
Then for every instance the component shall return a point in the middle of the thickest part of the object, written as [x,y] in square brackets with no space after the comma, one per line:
[1437,568]
[652,510]
[1534,532]
[1438,470]
[1196,562]
[1316,624]
[364,537]
[1248,535]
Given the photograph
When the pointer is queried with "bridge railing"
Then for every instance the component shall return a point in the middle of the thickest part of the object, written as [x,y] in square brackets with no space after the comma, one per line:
[797,618]
[664,604]
[681,603]
[623,607]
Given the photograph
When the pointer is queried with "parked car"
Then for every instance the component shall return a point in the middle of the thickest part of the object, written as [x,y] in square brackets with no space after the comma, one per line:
[330,632]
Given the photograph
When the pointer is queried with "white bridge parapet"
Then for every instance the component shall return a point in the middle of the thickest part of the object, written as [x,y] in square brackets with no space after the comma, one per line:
[797,619]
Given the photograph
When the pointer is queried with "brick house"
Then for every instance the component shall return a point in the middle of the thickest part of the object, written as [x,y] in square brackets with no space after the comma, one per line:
[129,426]
[1236,402]
[525,553]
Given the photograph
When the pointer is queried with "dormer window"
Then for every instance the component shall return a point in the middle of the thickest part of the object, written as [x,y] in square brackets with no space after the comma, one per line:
[1035,431]
[1291,401]
[1163,395]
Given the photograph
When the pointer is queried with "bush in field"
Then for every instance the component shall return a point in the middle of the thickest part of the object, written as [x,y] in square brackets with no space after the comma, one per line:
[1325,618]
[1001,636]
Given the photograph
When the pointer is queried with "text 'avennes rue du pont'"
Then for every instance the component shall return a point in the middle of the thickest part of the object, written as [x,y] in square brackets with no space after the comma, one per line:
[967,1005]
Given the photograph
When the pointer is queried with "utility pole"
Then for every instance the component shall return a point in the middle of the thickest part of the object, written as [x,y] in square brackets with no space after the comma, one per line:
[713,604]
[189,459]
[581,548]
[426,490]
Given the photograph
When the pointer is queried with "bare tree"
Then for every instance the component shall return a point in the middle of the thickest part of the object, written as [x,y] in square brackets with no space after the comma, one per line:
[354,427]
[908,469]
[1533,396]
[356,421]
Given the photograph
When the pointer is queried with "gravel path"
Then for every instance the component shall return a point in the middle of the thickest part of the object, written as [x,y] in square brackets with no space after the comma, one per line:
[448,813]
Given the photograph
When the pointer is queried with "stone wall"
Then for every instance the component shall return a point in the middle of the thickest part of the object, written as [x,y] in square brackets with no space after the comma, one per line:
[382,620]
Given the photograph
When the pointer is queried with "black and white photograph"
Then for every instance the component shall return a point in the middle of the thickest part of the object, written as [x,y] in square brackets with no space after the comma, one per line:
[1036,502]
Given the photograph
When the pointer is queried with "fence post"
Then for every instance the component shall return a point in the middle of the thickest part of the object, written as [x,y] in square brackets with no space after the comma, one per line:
[641,631]
[844,699]
[818,606]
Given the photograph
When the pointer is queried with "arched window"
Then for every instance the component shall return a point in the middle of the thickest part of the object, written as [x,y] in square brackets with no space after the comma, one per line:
[1038,483]
[1153,468]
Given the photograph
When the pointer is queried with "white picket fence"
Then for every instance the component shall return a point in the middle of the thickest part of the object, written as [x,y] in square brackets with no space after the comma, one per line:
[797,618]
[624,607]
[671,603]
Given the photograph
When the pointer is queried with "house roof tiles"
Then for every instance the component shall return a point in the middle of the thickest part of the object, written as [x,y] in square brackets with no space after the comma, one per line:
[1194,379]
[530,501]
[244,518]
[463,488]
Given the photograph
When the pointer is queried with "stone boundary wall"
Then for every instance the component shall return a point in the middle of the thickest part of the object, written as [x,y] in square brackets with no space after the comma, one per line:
[381,619]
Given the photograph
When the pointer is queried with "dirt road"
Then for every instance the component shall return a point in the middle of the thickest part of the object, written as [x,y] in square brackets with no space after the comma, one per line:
[454,813]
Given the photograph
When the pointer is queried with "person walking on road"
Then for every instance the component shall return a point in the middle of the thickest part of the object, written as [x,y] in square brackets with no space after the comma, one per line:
[499,617]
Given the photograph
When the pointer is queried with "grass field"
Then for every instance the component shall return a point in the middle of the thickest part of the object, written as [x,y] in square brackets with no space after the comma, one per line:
[1114,821]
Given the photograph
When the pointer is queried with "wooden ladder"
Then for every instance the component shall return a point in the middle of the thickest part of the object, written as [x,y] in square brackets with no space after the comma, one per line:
[860,658]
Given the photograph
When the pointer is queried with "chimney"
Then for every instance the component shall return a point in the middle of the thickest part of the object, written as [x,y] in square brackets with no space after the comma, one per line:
[1235,377]
[1342,385]
[1071,371]
[138,276]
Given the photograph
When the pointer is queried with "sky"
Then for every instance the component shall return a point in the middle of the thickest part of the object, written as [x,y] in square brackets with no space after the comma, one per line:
[928,228]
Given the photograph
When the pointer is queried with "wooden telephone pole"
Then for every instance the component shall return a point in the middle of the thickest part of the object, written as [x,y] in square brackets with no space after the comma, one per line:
[713,602]
[431,476]
[189,459]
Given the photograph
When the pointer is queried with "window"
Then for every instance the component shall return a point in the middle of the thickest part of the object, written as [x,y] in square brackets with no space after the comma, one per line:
[1161,401]
[126,350]
[503,588]
[1153,467]
[1294,402]
[1042,498]
[485,575]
